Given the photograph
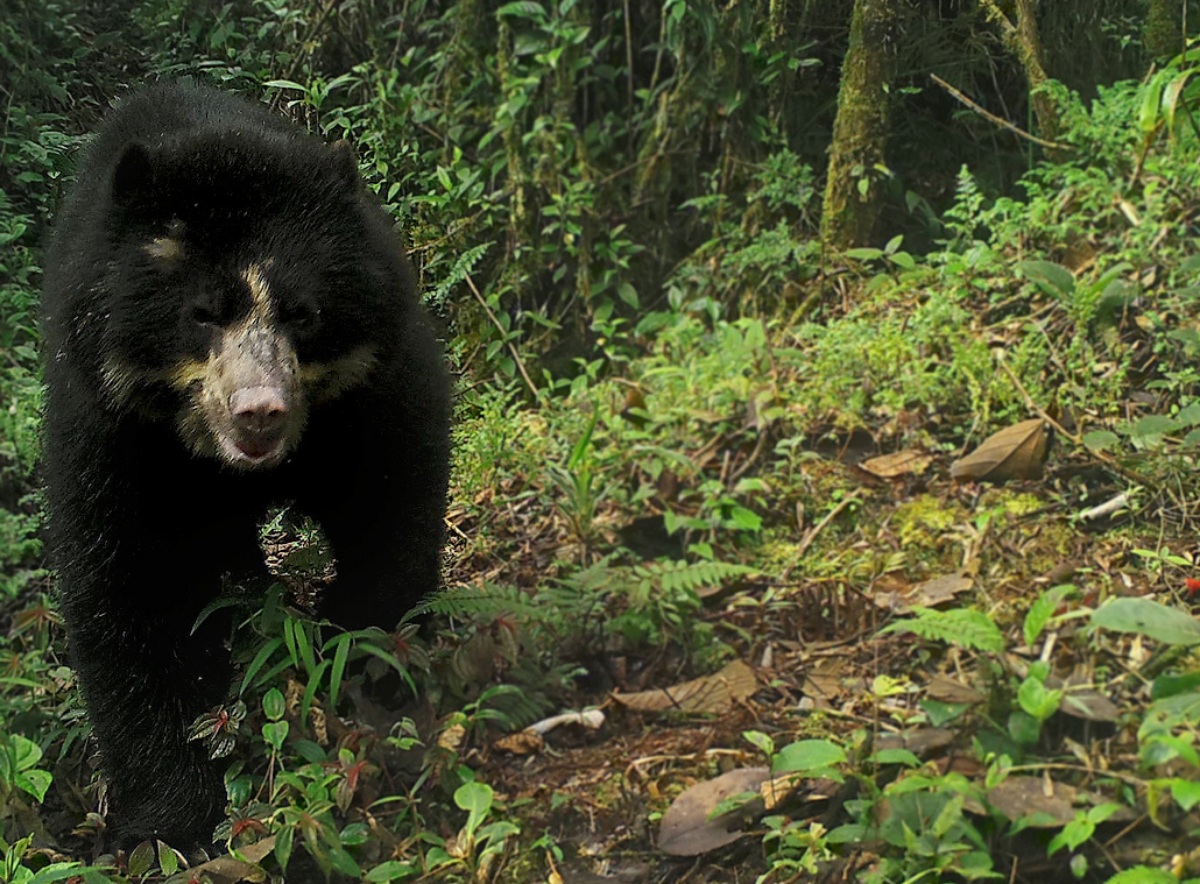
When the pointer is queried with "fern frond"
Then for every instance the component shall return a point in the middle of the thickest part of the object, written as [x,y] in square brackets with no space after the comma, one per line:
[462,267]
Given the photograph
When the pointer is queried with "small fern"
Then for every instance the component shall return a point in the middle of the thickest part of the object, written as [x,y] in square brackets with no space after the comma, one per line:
[467,602]
[674,577]
[462,268]
[962,627]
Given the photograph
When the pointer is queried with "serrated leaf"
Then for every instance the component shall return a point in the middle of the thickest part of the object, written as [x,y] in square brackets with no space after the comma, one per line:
[1149,618]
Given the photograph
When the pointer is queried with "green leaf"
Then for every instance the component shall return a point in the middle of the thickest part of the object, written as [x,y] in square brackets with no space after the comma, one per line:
[59,872]
[522,9]
[35,782]
[1142,875]
[274,705]
[761,741]
[141,861]
[1101,440]
[476,800]
[1042,610]
[897,756]
[339,668]
[805,755]
[1186,793]
[1051,277]
[1148,618]
[1037,700]
[391,871]
[275,733]
[864,254]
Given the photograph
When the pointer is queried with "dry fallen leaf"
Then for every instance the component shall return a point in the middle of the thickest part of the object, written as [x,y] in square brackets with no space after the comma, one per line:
[929,594]
[947,690]
[712,693]
[1016,452]
[901,463]
[521,743]
[922,742]
[1019,797]
[228,869]
[686,829]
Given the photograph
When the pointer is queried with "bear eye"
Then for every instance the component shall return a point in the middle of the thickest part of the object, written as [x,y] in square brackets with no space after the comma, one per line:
[204,316]
[298,316]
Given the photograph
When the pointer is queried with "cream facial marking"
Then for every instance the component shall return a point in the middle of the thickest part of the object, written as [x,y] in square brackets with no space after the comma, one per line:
[169,247]
[255,277]
[165,248]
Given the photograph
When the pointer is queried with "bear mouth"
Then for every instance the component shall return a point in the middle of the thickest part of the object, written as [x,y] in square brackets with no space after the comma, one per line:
[253,451]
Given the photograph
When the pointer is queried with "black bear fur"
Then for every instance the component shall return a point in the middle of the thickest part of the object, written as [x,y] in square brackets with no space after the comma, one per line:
[230,322]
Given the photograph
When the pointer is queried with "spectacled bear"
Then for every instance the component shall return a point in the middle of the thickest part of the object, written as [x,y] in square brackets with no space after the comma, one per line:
[230,322]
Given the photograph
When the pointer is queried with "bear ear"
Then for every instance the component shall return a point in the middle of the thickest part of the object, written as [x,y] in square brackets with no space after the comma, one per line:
[133,179]
[345,163]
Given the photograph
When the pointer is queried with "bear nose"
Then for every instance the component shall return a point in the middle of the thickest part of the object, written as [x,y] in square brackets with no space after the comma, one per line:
[258,409]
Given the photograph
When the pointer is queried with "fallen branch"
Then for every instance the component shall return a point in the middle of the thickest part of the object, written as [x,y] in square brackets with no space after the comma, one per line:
[999,121]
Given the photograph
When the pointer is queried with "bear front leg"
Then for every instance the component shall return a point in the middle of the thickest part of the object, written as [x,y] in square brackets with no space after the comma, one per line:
[145,680]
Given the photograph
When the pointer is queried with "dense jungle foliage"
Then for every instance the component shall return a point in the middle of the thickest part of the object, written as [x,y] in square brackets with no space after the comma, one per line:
[864,551]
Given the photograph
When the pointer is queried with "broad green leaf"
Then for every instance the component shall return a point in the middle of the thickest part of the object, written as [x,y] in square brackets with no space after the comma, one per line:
[1149,618]
[1051,277]
[273,704]
[806,755]
[390,871]
[1101,440]
[476,800]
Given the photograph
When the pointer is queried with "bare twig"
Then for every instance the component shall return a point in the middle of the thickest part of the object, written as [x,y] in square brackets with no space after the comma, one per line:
[999,121]
[808,539]
[1074,438]
[496,322]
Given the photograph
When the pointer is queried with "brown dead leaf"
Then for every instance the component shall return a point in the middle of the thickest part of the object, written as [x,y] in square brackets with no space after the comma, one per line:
[901,463]
[521,743]
[1016,452]
[1090,705]
[714,693]
[686,829]
[228,869]
[922,742]
[1019,797]
[824,689]
[929,594]
[947,690]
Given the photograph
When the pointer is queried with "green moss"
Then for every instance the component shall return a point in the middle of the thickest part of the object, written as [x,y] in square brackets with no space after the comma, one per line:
[919,522]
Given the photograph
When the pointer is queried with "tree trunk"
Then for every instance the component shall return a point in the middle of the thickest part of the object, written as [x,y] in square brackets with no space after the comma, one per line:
[1164,37]
[854,191]
[1023,41]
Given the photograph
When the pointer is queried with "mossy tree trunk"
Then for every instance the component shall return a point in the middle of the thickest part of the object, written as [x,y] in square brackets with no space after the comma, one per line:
[853,191]
[1164,37]
[1023,41]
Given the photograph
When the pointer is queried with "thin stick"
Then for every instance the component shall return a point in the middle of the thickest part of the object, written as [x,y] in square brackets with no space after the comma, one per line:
[999,121]
[496,322]
[1075,438]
